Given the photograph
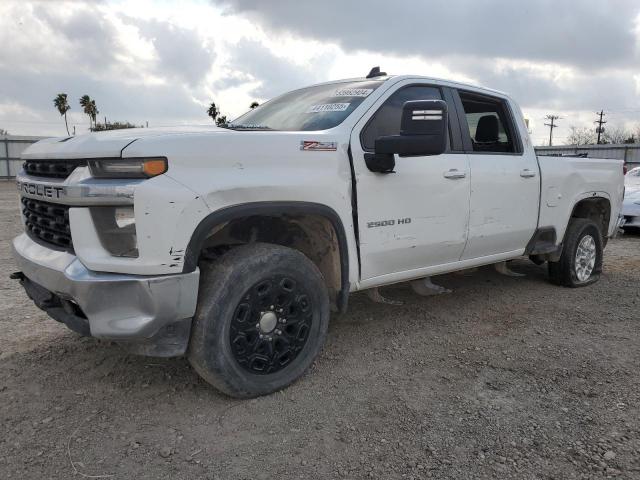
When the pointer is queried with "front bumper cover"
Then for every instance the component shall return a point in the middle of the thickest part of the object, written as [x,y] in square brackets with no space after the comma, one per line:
[116,306]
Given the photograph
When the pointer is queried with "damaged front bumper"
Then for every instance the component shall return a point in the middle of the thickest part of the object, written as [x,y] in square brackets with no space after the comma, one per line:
[151,313]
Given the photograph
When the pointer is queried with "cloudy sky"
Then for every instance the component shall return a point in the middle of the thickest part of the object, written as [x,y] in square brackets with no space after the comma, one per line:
[162,62]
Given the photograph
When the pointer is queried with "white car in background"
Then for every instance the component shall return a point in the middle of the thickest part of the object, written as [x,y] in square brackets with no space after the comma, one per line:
[631,204]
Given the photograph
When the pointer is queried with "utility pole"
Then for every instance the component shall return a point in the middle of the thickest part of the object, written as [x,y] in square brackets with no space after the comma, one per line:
[600,122]
[552,125]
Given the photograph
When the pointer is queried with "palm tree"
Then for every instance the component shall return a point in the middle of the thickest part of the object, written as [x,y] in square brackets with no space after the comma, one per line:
[85,103]
[213,111]
[94,112]
[253,105]
[61,103]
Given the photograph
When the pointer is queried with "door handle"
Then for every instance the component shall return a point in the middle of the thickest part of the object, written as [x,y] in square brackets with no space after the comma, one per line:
[454,174]
[526,173]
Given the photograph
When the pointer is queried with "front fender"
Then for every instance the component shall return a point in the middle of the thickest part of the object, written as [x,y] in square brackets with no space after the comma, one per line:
[271,208]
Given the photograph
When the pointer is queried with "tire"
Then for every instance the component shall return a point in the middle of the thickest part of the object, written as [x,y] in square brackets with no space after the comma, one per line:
[569,271]
[234,345]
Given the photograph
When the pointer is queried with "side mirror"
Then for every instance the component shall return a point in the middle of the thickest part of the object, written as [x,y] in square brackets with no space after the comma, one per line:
[423,131]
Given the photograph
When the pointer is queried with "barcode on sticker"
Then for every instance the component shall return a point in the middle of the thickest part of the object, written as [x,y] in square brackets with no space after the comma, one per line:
[328,107]
[353,92]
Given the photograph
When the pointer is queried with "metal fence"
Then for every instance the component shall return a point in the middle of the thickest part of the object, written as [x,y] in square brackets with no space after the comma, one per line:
[629,153]
[11,147]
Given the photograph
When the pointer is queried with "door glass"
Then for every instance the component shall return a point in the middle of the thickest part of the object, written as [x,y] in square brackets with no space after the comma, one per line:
[488,124]
[386,121]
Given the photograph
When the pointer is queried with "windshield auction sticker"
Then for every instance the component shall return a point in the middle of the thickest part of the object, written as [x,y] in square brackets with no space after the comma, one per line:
[328,107]
[353,92]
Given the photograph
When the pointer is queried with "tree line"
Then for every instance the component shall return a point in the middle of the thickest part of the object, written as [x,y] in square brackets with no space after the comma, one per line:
[612,135]
[214,112]
[90,108]
[61,102]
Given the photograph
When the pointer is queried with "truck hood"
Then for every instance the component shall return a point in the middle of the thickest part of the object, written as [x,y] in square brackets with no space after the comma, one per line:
[105,144]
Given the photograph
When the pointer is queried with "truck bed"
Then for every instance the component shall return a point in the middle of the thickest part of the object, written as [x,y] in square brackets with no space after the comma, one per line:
[567,180]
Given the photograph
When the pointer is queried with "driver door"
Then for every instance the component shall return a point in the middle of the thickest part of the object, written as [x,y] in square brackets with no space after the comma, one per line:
[416,217]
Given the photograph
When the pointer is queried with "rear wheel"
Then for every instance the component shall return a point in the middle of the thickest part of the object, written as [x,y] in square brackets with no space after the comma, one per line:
[262,318]
[581,261]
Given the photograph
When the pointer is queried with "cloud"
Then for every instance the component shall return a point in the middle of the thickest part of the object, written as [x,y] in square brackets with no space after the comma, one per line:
[552,86]
[135,69]
[181,53]
[269,75]
[588,33]
[164,62]
[136,103]
[556,56]
[85,37]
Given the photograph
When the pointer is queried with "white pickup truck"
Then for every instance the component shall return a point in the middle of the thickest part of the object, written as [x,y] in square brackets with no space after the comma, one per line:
[232,245]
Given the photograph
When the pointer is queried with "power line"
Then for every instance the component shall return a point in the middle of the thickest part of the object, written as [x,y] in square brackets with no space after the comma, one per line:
[552,125]
[600,123]
[629,110]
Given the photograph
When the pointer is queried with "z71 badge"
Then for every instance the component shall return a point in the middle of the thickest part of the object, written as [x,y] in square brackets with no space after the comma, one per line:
[316,146]
[388,223]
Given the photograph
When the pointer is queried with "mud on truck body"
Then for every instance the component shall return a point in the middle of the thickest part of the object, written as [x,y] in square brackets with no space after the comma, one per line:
[233,245]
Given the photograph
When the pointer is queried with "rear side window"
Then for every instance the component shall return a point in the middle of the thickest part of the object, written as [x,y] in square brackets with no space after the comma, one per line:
[489,124]
[386,121]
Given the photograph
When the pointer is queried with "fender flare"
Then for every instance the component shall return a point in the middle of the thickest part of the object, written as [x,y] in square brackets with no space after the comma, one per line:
[591,197]
[234,212]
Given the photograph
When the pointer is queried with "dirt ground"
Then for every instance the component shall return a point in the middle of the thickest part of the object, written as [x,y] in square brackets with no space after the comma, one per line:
[504,378]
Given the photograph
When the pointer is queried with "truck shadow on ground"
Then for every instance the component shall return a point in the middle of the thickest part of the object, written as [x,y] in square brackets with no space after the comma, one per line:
[84,365]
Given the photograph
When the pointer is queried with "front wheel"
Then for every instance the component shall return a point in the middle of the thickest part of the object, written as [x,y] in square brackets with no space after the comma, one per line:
[581,261]
[262,318]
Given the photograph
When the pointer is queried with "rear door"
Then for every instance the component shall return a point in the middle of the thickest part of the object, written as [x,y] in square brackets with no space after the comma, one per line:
[417,216]
[505,183]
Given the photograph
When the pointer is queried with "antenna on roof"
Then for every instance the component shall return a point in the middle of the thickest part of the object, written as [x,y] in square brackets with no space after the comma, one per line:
[375,72]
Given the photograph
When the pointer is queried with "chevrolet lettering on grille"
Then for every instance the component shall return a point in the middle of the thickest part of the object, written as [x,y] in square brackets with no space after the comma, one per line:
[44,191]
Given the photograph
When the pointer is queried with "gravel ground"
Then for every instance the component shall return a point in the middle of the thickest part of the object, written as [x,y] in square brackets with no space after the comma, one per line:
[504,378]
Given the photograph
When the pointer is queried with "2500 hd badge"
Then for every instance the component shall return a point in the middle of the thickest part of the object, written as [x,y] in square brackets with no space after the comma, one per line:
[47,191]
[388,223]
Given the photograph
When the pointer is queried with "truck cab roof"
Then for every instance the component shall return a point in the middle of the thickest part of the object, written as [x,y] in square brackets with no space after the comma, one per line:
[399,78]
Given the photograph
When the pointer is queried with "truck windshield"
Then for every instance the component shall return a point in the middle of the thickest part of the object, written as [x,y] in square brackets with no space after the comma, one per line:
[313,108]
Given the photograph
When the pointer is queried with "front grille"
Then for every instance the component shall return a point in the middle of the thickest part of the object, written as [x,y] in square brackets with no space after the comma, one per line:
[47,222]
[52,168]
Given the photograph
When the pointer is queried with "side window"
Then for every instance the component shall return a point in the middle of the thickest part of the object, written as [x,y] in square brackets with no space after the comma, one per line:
[490,127]
[386,121]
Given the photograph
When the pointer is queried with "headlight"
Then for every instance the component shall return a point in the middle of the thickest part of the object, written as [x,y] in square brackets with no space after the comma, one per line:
[116,227]
[128,167]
